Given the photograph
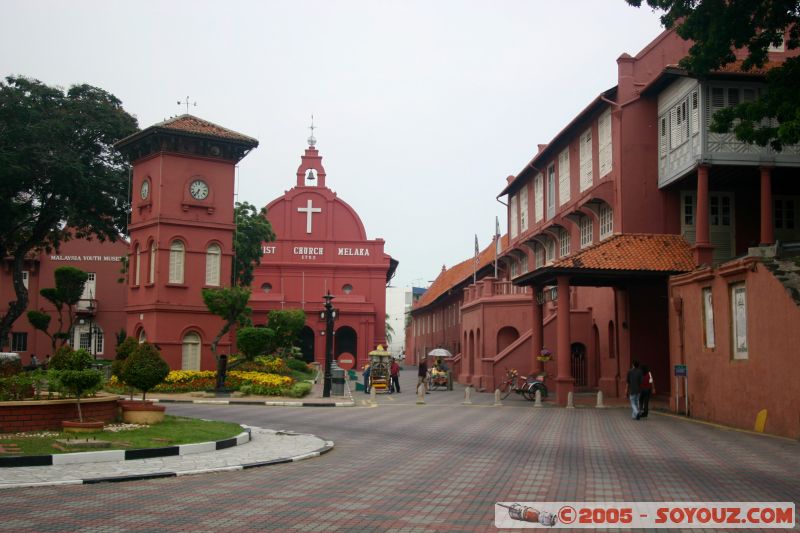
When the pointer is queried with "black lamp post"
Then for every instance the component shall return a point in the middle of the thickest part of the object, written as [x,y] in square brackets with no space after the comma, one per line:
[326,389]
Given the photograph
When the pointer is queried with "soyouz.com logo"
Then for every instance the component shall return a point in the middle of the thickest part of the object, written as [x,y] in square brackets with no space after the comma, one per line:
[657,515]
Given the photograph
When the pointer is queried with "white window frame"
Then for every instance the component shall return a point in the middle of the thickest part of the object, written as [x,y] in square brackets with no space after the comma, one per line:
[191,360]
[563,177]
[708,318]
[512,211]
[213,262]
[137,264]
[587,229]
[539,255]
[90,288]
[586,171]
[177,256]
[25,278]
[551,191]
[738,295]
[152,273]
[523,209]
[564,243]
[538,194]
[606,221]
[604,155]
[549,250]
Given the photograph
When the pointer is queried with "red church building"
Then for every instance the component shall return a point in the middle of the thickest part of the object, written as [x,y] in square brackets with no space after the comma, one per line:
[321,247]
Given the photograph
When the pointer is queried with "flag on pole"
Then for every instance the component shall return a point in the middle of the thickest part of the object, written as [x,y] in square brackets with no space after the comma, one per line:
[475,264]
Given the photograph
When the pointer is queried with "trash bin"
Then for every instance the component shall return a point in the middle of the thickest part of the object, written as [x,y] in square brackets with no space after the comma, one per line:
[337,382]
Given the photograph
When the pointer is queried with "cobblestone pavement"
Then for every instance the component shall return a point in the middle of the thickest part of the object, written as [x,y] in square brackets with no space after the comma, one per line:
[401,467]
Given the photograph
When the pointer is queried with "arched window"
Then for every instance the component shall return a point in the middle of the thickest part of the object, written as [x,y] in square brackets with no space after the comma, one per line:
[176,253]
[213,254]
[151,278]
[142,336]
[190,359]
[137,265]
[88,336]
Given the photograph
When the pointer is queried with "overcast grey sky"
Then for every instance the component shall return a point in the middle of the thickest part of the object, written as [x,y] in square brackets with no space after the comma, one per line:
[423,107]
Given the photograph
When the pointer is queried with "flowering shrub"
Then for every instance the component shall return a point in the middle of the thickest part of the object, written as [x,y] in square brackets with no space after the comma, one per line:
[544,355]
[200,380]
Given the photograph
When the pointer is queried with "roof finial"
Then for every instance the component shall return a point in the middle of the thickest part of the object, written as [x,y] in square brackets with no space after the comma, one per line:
[186,103]
[312,141]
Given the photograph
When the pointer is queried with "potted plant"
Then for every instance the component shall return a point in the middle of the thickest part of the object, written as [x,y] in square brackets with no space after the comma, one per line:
[72,369]
[143,369]
[545,355]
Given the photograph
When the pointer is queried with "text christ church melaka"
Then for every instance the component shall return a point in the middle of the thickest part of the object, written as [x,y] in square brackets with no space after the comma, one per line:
[321,246]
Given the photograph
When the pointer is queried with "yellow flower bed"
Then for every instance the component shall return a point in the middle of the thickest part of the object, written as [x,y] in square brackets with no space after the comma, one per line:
[267,380]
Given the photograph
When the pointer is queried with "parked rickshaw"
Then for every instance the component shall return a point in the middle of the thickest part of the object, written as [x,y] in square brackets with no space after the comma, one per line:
[380,365]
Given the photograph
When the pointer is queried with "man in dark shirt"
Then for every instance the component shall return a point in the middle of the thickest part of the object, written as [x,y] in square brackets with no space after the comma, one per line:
[422,374]
[633,384]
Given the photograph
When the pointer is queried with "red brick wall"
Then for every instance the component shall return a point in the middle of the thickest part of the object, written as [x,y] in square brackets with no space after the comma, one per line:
[44,414]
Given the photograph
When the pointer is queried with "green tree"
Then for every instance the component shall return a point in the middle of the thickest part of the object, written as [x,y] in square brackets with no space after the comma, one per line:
[252,230]
[144,368]
[285,325]
[74,373]
[253,342]
[389,330]
[70,282]
[717,28]
[60,175]
[230,304]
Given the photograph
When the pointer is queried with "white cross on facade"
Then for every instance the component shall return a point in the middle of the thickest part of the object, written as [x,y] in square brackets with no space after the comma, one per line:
[309,211]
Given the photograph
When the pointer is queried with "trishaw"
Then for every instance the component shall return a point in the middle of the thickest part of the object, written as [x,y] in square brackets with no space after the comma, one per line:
[380,362]
[439,374]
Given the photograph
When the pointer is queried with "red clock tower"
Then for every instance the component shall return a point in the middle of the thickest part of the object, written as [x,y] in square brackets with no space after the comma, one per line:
[181,234]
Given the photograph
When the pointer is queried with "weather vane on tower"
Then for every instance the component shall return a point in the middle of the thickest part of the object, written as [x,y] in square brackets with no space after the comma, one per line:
[186,103]
[312,141]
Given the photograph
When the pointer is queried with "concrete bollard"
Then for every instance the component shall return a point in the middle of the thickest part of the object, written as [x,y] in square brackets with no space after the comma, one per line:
[537,398]
[467,396]
[421,394]
[600,404]
[497,397]
[570,402]
[373,395]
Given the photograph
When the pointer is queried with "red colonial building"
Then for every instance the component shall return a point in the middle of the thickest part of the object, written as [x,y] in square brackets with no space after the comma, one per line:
[641,234]
[99,315]
[321,247]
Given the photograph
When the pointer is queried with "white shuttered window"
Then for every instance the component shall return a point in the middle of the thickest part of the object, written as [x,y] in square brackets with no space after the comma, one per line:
[512,207]
[564,244]
[212,264]
[586,159]
[563,177]
[538,194]
[586,231]
[176,260]
[523,209]
[604,134]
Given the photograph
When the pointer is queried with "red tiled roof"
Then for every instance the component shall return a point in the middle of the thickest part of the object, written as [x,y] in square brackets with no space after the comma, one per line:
[736,68]
[459,273]
[192,124]
[634,251]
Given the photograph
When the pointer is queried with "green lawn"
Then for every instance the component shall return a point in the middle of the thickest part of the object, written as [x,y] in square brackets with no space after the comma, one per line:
[174,430]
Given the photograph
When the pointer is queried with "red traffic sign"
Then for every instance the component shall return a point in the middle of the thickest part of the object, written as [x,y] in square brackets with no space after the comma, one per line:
[346,361]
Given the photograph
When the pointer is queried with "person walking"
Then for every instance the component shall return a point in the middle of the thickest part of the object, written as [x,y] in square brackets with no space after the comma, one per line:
[422,375]
[394,372]
[366,374]
[633,384]
[647,390]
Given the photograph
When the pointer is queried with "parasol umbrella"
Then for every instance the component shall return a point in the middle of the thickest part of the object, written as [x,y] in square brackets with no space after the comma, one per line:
[440,352]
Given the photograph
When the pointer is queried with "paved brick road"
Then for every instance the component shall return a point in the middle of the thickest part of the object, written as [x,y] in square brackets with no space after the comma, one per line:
[438,467]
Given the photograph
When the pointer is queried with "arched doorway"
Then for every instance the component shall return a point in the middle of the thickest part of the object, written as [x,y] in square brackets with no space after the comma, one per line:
[307,340]
[345,340]
[578,363]
[505,337]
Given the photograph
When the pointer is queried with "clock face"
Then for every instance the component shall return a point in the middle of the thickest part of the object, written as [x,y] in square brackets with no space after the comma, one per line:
[198,190]
[145,189]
